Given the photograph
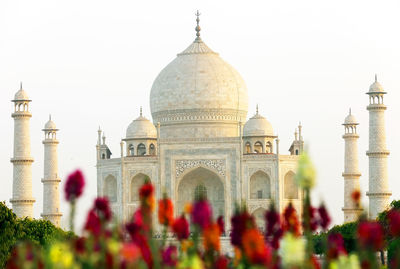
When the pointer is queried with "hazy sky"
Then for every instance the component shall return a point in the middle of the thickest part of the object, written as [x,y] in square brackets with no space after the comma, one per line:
[92,63]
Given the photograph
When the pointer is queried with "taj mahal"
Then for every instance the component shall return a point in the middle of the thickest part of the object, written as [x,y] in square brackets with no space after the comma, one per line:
[202,140]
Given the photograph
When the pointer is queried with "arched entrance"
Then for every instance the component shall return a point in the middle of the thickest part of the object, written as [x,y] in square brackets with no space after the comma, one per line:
[205,183]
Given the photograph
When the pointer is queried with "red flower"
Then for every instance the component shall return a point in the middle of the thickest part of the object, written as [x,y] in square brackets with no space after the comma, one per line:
[221,224]
[356,195]
[335,246]
[273,228]
[165,212]
[313,218]
[74,185]
[80,245]
[370,234]
[146,194]
[394,222]
[315,263]
[201,213]
[170,256]
[325,219]
[102,206]
[146,190]
[181,227]
[221,263]
[291,222]
[255,248]
[93,223]
[130,252]
[240,222]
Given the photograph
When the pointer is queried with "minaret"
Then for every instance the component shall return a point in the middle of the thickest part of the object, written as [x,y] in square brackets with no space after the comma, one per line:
[378,193]
[351,173]
[22,200]
[51,193]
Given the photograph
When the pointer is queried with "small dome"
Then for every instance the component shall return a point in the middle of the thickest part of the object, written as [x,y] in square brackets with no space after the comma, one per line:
[350,119]
[21,95]
[141,128]
[50,125]
[376,86]
[258,126]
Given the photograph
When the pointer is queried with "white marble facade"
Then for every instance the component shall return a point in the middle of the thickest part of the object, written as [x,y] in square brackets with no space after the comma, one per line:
[200,144]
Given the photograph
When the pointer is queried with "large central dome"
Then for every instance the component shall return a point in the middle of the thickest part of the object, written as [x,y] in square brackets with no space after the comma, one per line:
[201,93]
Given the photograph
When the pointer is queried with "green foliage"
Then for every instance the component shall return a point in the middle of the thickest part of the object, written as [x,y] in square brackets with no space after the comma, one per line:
[14,230]
[319,243]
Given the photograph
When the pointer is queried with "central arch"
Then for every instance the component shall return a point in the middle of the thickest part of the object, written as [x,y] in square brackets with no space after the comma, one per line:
[206,182]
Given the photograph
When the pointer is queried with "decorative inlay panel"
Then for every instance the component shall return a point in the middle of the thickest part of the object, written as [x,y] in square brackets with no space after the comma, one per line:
[182,165]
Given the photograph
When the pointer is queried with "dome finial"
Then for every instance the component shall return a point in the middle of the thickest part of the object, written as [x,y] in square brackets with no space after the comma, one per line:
[376,78]
[198,29]
[257,109]
[140,111]
[49,116]
[20,85]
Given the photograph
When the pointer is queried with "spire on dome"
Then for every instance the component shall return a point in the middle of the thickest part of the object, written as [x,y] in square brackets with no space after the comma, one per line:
[141,111]
[198,29]
[257,109]
[350,111]
[376,78]
[20,85]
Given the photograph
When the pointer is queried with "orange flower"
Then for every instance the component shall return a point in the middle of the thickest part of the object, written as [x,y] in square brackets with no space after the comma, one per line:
[254,247]
[130,252]
[211,237]
[188,208]
[165,212]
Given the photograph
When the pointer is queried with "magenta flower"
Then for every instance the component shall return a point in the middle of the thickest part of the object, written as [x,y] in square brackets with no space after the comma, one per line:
[102,206]
[93,223]
[74,185]
[201,213]
[181,228]
[169,256]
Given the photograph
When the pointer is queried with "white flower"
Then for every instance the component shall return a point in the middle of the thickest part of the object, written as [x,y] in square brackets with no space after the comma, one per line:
[292,250]
[305,176]
[346,262]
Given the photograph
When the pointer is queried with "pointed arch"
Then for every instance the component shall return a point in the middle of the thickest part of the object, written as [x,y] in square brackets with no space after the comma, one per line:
[258,147]
[136,182]
[260,186]
[110,188]
[141,149]
[291,190]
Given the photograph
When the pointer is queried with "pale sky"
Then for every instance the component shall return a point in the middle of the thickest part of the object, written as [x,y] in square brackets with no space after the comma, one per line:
[91,63]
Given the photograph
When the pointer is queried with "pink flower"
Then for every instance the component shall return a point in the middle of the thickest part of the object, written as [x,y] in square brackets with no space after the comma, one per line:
[102,206]
[74,185]
[181,227]
[93,223]
[394,222]
[169,256]
[201,213]
[370,235]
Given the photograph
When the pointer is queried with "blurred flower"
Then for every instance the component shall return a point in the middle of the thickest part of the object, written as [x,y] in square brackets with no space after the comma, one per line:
[165,212]
[370,235]
[186,244]
[80,245]
[221,263]
[60,255]
[355,196]
[192,262]
[74,185]
[170,256]
[290,220]
[146,194]
[335,246]
[346,262]
[240,221]
[102,206]
[130,252]
[201,213]
[255,248]
[325,219]
[314,220]
[188,208]
[394,222]
[292,250]
[93,223]
[315,264]
[221,224]
[211,237]
[181,228]
[305,176]
[113,246]
[273,227]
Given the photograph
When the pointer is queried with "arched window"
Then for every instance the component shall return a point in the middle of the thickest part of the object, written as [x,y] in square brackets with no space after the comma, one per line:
[131,150]
[260,186]
[248,147]
[297,152]
[103,156]
[141,149]
[152,149]
[268,147]
[258,147]
[136,183]
[200,192]
[110,188]
[291,190]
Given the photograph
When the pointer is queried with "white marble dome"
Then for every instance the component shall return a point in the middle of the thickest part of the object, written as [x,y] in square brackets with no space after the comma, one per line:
[50,125]
[351,120]
[258,126]
[21,95]
[198,85]
[376,87]
[141,128]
